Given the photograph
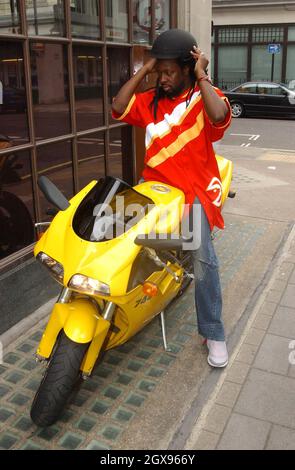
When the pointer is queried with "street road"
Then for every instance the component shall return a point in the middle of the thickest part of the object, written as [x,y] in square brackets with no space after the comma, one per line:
[262,133]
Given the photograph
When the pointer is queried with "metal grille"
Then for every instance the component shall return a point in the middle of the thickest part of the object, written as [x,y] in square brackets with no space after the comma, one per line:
[233,35]
[268,34]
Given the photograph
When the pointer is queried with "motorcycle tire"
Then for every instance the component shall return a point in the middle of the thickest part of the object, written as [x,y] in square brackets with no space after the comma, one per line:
[61,375]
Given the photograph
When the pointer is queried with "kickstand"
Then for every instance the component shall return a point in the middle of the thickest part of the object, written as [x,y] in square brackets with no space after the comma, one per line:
[167,349]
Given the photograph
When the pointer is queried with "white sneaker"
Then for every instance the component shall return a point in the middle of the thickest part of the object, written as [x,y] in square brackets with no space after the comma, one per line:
[218,356]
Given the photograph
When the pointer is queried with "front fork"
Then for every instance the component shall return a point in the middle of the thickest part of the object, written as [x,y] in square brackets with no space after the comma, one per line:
[64,296]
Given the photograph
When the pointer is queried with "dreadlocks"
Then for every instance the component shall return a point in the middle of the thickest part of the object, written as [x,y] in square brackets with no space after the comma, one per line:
[160,93]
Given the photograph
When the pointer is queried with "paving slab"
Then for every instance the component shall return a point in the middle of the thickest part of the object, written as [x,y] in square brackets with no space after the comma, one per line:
[273,355]
[281,438]
[244,433]
[269,397]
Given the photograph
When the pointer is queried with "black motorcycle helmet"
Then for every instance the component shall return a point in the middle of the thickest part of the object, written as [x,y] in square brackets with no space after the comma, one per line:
[174,44]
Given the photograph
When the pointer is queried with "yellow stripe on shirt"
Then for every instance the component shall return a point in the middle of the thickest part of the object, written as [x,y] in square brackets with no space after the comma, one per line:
[127,109]
[181,141]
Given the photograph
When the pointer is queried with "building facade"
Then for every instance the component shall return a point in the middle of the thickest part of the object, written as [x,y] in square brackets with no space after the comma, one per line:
[242,34]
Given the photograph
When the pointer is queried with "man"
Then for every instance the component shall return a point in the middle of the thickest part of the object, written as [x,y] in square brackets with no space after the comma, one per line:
[182,116]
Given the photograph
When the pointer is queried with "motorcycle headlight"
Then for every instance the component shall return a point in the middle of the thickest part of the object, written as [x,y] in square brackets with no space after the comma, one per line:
[56,269]
[88,285]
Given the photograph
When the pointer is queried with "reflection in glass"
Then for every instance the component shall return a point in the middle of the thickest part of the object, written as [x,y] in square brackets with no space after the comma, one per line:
[45,18]
[162,13]
[232,66]
[50,90]
[290,73]
[291,33]
[85,19]
[13,103]
[120,163]
[88,87]
[9,17]
[141,21]
[118,71]
[16,201]
[91,158]
[116,20]
[55,162]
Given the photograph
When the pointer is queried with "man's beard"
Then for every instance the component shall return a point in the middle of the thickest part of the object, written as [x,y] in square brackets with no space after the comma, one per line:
[175,91]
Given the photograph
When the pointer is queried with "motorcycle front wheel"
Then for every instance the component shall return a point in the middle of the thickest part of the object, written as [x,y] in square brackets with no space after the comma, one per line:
[60,377]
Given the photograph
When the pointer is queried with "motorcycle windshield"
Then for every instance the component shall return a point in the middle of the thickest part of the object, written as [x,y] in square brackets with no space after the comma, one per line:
[110,209]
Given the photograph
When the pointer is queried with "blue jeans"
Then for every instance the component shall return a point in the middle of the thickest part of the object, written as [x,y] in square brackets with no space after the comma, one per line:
[208,297]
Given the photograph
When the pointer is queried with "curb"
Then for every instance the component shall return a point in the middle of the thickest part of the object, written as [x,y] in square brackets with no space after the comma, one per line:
[26,324]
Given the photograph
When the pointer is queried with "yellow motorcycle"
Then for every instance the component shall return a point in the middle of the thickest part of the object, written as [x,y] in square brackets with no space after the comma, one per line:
[118,255]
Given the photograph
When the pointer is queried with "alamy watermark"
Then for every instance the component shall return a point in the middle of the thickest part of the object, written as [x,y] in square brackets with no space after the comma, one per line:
[292,353]
[163,222]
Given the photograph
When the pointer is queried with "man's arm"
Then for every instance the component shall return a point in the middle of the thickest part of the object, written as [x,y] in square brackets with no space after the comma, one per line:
[125,94]
[215,106]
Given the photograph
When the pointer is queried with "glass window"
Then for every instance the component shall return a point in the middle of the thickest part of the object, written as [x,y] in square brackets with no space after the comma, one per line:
[45,18]
[13,101]
[247,89]
[291,33]
[50,89]
[88,87]
[9,17]
[85,19]
[118,71]
[232,66]
[120,162]
[212,61]
[290,74]
[162,14]
[91,158]
[16,202]
[268,89]
[116,20]
[55,162]
[262,63]
[141,21]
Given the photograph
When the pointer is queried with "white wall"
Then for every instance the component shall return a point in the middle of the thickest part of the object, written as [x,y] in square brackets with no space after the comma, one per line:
[232,16]
[195,16]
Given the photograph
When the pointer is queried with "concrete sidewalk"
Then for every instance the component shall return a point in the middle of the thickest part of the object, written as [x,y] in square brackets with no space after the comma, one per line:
[252,405]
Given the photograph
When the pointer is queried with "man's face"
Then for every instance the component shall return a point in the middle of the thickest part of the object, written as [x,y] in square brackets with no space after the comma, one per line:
[172,78]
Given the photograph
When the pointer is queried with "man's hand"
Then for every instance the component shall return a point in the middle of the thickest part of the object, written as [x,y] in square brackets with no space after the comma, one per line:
[215,106]
[150,65]
[201,62]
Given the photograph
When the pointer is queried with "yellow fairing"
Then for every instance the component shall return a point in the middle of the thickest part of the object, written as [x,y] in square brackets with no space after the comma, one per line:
[110,261]
[226,170]
[78,319]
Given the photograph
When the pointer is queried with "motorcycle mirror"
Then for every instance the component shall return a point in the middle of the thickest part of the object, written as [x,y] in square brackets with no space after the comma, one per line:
[52,193]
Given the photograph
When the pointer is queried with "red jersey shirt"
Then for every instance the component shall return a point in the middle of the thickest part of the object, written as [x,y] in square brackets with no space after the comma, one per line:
[179,148]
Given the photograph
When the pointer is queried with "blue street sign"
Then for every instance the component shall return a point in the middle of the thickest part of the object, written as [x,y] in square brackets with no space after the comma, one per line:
[274,48]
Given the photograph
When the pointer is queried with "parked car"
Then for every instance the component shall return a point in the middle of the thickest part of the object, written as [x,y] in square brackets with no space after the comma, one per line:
[264,98]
